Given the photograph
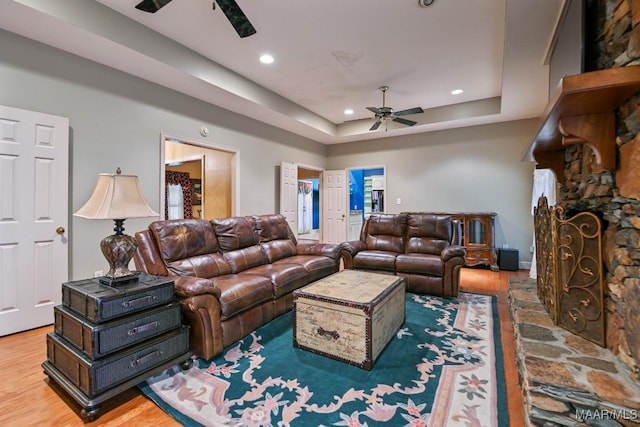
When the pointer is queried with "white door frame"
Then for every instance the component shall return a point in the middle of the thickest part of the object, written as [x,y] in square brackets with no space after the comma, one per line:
[235,165]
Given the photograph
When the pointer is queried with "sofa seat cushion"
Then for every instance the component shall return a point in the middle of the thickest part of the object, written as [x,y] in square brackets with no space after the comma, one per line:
[317,266]
[416,263]
[285,278]
[375,260]
[239,292]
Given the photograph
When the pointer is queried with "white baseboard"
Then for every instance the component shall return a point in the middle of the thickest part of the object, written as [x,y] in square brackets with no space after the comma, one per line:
[524,265]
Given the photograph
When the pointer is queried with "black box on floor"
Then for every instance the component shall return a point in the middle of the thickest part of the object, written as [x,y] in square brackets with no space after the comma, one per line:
[508,259]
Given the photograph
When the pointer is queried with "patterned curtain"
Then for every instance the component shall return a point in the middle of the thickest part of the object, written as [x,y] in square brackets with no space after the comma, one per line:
[181,179]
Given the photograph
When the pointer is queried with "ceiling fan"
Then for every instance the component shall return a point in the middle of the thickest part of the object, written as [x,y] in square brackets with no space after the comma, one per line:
[230,8]
[384,113]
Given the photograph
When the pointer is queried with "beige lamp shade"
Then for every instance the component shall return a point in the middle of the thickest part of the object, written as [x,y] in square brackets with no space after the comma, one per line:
[116,197]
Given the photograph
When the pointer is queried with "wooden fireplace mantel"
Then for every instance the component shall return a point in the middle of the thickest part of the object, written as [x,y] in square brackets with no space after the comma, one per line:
[582,111]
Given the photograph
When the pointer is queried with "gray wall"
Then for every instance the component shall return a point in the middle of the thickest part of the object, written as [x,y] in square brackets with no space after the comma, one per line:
[116,120]
[471,169]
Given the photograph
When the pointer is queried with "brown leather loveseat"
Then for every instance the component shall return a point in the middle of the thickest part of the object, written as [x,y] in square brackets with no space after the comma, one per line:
[231,275]
[424,249]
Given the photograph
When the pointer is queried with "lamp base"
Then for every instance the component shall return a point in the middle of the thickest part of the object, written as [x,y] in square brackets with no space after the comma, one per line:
[118,281]
[118,249]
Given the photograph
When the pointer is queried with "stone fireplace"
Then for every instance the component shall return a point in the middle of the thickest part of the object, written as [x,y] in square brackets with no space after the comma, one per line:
[590,138]
[613,195]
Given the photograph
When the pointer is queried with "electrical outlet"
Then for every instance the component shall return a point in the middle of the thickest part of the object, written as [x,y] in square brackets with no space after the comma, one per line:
[532,249]
[98,273]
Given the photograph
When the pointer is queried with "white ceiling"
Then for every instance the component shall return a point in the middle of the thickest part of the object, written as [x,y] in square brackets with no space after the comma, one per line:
[329,55]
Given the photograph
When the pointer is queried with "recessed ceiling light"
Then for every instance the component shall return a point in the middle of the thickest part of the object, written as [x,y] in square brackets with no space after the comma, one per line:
[266,59]
[456,91]
[348,111]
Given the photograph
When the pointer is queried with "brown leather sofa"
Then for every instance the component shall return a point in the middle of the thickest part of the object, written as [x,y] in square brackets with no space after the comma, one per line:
[231,275]
[424,249]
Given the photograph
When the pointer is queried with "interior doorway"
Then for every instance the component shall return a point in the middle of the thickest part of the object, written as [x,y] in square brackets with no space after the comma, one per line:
[179,200]
[332,208]
[367,195]
[210,181]
[309,212]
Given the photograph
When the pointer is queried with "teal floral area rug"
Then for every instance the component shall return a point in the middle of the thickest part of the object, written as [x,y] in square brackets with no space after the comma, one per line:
[443,368]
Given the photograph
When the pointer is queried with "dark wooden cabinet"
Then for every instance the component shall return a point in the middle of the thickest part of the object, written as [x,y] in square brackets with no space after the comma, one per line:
[478,238]
[108,339]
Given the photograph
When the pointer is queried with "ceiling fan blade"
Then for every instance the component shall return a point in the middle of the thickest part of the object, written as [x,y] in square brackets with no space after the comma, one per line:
[404,121]
[152,6]
[238,19]
[374,110]
[376,125]
[408,111]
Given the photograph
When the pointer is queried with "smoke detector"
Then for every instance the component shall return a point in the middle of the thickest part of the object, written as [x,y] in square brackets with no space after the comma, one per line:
[425,3]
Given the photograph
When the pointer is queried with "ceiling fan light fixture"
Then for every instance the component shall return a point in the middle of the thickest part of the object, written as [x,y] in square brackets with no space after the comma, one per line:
[384,113]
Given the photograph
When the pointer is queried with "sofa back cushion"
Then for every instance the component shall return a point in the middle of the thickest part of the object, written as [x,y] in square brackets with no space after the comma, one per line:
[428,234]
[276,238]
[189,247]
[239,242]
[386,232]
[273,227]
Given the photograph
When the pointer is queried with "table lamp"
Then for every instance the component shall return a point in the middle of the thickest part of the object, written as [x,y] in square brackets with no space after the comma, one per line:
[117,197]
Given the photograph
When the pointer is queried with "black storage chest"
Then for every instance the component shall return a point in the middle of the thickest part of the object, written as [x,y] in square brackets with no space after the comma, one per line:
[96,340]
[93,377]
[99,303]
[107,339]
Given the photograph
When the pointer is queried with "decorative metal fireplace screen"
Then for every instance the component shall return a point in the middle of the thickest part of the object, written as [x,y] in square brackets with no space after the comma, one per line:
[569,269]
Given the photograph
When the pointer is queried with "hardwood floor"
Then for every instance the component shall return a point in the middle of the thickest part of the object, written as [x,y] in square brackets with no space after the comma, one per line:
[28,398]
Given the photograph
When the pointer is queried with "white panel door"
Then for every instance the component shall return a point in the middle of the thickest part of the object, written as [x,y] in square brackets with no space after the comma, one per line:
[334,206]
[34,171]
[289,194]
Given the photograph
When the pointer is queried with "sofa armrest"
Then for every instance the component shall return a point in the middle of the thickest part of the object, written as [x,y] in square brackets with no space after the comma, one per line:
[147,258]
[187,286]
[325,249]
[452,252]
[354,246]
[202,314]
[349,250]
[453,258]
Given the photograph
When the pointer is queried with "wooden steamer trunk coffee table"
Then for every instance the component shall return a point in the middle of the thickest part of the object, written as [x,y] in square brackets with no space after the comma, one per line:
[349,316]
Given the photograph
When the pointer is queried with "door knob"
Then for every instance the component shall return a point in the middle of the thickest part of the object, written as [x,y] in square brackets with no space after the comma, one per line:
[60,230]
